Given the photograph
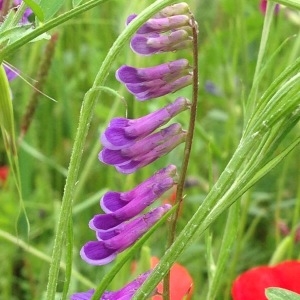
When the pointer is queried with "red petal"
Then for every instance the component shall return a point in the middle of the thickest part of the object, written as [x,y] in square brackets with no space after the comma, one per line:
[3,173]
[290,275]
[181,282]
[252,284]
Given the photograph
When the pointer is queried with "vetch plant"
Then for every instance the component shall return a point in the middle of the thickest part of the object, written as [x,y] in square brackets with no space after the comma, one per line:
[131,144]
[167,35]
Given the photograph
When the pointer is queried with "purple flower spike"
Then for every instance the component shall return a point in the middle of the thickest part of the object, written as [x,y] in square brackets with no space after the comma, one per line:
[127,74]
[124,293]
[103,235]
[11,72]
[144,160]
[148,90]
[173,10]
[83,296]
[144,151]
[145,193]
[127,292]
[123,132]
[162,24]
[121,207]
[104,251]
[153,82]
[157,43]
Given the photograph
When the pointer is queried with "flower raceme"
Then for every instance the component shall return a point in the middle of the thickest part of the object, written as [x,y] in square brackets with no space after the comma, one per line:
[252,284]
[130,144]
[124,293]
[122,132]
[113,232]
[140,197]
[157,81]
[144,151]
[113,241]
[168,30]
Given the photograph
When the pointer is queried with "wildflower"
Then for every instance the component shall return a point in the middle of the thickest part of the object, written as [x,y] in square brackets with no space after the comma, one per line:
[157,43]
[3,173]
[173,10]
[15,4]
[122,132]
[83,295]
[144,151]
[156,25]
[181,282]
[285,230]
[263,7]
[124,293]
[252,284]
[11,72]
[116,240]
[145,193]
[132,208]
[157,81]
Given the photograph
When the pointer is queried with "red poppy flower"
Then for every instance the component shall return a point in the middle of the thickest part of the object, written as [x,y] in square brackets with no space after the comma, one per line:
[252,284]
[181,282]
[3,173]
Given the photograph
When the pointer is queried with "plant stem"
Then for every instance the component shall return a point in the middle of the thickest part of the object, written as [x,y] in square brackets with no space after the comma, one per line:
[85,117]
[187,150]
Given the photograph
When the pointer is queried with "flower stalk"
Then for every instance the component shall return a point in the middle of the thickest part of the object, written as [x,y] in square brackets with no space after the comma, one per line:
[187,149]
[87,108]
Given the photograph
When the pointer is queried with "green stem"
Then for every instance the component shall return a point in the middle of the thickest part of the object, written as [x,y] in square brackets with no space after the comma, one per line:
[42,256]
[261,52]
[187,149]
[200,220]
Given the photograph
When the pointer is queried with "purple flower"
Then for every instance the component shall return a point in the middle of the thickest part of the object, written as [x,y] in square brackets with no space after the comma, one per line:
[153,82]
[11,72]
[120,207]
[144,151]
[15,4]
[83,296]
[160,25]
[157,43]
[131,75]
[176,9]
[124,293]
[120,238]
[122,132]
[263,7]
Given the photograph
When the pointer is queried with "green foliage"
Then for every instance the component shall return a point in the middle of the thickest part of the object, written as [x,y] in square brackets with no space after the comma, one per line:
[281,294]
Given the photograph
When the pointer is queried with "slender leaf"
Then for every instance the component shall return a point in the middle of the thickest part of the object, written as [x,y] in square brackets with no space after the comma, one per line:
[281,294]
[50,8]
[36,8]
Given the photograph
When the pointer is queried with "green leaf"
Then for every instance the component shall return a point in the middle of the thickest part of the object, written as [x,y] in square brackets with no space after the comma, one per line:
[76,2]
[281,294]
[36,8]
[289,3]
[50,8]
